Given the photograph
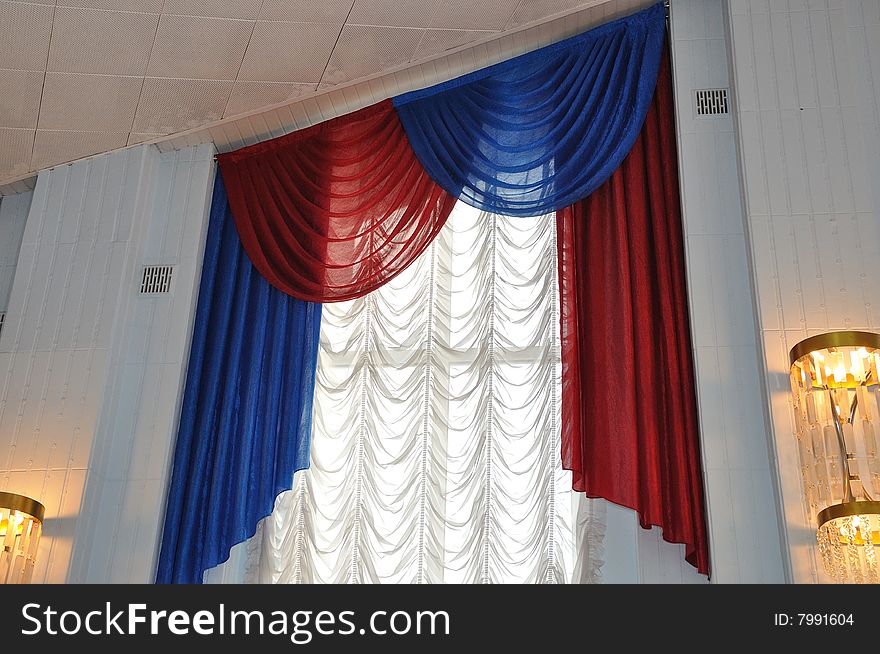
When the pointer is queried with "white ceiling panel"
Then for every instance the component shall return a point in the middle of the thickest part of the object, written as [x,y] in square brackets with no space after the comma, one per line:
[171,105]
[247,96]
[15,151]
[138,137]
[288,52]
[363,49]
[321,11]
[89,102]
[467,14]
[529,11]
[146,6]
[245,9]
[120,72]
[435,40]
[392,14]
[199,48]
[25,31]
[20,92]
[99,41]
[54,147]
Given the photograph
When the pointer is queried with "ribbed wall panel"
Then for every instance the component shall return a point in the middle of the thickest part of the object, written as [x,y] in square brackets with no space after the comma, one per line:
[807,90]
[90,369]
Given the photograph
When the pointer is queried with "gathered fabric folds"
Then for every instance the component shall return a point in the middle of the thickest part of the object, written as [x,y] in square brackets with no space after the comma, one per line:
[629,431]
[245,424]
[536,133]
[332,212]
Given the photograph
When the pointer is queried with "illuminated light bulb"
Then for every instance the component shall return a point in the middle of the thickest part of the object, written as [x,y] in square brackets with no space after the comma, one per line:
[858,366]
[856,522]
[840,374]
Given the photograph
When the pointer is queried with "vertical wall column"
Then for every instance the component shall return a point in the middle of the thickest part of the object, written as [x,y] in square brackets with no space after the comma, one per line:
[807,76]
[90,370]
[745,538]
[13,216]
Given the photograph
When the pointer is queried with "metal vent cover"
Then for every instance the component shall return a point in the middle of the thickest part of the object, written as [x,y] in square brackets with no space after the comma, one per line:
[156,279]
[711,102]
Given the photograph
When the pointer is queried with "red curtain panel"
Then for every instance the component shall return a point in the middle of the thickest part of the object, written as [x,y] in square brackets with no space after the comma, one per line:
[629,416]
[334,211]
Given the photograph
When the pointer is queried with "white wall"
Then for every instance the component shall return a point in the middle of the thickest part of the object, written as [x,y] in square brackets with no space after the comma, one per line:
[13,215]
[91,370]
[741,502]
[807,76]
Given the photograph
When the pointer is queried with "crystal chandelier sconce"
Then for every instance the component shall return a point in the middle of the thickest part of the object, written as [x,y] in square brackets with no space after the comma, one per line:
[834,382]
[21,522]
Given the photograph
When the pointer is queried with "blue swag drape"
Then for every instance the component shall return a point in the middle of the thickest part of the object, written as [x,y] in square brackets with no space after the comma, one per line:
[245,423]
[536,133]
[529,136]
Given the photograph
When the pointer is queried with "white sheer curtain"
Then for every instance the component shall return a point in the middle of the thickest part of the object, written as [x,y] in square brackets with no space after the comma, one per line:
[435,452]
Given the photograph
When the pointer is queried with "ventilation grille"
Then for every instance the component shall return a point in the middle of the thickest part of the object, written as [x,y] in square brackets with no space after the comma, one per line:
[156,280]
[711,102]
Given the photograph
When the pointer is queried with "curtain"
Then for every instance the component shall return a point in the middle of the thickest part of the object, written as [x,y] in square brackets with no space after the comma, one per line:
[247,407]
[435,454]
[334,211]
[630,433]
[535,133]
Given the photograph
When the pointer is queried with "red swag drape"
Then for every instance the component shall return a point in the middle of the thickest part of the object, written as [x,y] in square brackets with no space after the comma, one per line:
[334,211]
[629,407]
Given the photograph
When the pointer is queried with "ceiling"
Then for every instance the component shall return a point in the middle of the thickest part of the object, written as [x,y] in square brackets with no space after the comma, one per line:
[78,77]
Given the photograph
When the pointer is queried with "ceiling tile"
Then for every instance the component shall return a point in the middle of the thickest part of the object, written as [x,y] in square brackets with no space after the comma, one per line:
[139,137]
[54,147]
[26,30]
[97,41]
[247,9]
[247,96]
[467,14]
[15,151]
[288,52]
[325,11]
[436,41]
[404,13]
[169,105]
[364,49]
[89,102]
[529,11]
[199,48]
[20,98]
[146,6]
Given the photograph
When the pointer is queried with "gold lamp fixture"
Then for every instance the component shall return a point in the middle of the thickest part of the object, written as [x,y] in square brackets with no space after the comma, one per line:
[21,522]
[834,381]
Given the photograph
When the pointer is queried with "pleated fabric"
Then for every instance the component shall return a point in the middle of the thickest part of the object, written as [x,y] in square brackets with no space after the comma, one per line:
[332,212]
[629,430]
[435,444]
[245,423]
[536,133]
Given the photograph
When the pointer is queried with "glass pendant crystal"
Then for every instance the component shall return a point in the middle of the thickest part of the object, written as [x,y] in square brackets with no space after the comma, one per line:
[834,382]
[21,522]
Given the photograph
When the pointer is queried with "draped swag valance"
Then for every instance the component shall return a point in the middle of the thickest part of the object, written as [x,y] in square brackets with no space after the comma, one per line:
[335,211]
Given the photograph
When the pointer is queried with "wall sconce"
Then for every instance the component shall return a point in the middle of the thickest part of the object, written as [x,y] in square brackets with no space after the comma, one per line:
[21,522]
[834,381]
